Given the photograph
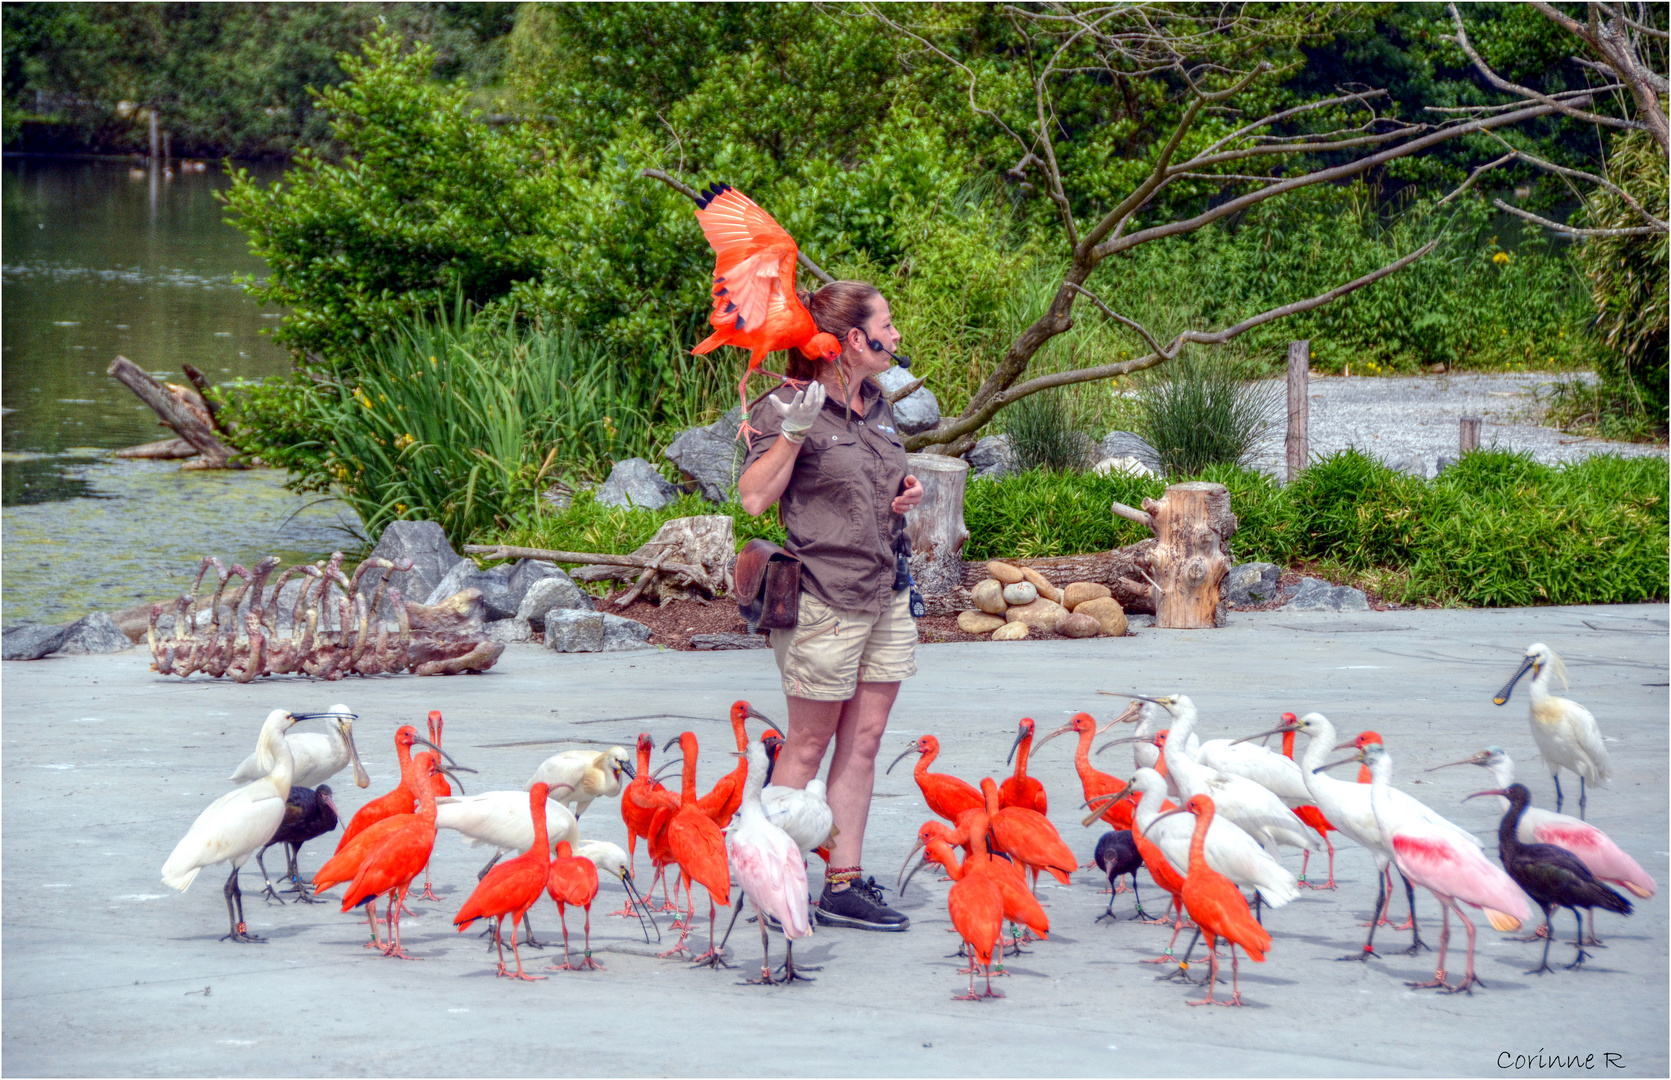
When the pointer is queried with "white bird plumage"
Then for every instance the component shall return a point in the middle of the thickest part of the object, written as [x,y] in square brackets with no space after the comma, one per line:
[316,756]
[1566,734]
[577,777]
[803,813]
[770,867]
[1230,850]
[499,819]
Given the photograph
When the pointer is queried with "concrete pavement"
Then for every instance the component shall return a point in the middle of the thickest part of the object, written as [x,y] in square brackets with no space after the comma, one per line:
[109,972]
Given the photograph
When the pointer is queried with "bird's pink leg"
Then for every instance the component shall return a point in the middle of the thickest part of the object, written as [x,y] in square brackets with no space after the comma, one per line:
[1212,974]
[971,995]
[1162,921]
[1468,980]
[1235,979]
[565,965]
[429,894]
[1177,928]
[520,974]
[499,940]
[991,993]
[1438,979]
[588,961]
[712,957]
[394,949]
[371,917]
[1329,842]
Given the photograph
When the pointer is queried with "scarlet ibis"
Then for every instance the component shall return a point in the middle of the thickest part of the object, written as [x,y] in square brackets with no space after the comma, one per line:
[722,800]
[1116,856]
[1552,876]
[1594,848]
[438,786]
[581,776]
[1442,861]
[1566,733]
[771,868]
[1217,906]
[1021,789]
[636,816]
[513,887]
[318,757]
[1028,836]
[1021,908]
[573,880]
[698,846]
[231,828]
[346,862]
[1231,851]
[976,906]
[946,795]
[1151,790]
[1258,810]
[399,801]
[393,866]
[1094,782]
[308,813]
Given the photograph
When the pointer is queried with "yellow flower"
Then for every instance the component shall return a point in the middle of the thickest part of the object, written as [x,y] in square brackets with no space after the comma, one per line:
[404,441]
[400,508]
[1501,258]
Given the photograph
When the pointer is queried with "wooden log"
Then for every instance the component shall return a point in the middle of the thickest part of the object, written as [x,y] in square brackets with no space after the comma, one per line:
[1193,525]
[161,450]
[1299,407]
[935,527]
[1469,436]
[189,426]
[200,383]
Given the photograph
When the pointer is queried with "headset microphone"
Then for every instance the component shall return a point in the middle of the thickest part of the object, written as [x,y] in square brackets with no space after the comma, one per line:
[899,358]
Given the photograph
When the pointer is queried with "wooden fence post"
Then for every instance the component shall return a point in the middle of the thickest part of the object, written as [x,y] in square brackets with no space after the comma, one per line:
[1299,384]
[1470,434]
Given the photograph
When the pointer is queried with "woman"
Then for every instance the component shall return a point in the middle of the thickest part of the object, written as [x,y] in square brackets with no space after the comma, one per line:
[830,455]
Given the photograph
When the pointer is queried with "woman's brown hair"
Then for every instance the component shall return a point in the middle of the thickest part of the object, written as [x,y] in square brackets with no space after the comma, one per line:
[836,308]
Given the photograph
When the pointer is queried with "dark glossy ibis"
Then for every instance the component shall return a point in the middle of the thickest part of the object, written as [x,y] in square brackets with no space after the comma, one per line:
[308,813]
[1117,856]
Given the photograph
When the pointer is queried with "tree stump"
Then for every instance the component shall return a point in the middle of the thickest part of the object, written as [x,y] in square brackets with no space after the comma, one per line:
[935,528]
[1192,526]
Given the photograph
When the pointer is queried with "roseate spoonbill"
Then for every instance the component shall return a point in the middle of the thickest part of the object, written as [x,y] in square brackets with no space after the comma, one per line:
[1216,905]
[318,756]
[308,813]
[1552,876]
[1021,789]
[698,846]
[946,795]
[231,828]
[1116,856]
[580,776]
[573,879]
[1566,733]
[401,800]
[394,864]
[1094,782]
[771,868]
[1594,848]
[1442,862]
[513,887]
[1028,836]
[722,800]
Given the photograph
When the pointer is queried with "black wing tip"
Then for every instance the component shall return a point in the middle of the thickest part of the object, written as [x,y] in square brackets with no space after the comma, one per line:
[710,193]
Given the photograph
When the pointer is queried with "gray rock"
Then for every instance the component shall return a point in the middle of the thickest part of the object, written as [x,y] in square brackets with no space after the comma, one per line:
[551,594]
[730,641]
[509,631]
[920,411]
[990,458]
[96,633]
[1314,594]
[497,601]
[1118,444]
[635,482]
[432,556]
[529,572]
[31,641]
[711,456]
[1251,583]
[593,631]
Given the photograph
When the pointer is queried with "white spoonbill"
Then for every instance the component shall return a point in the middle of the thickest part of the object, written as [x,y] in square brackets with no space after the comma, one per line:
[803,813]
[1436,859]
[581,776]
[1566,733]
[1257,809]
[318,757]
[771,868]
[236,825]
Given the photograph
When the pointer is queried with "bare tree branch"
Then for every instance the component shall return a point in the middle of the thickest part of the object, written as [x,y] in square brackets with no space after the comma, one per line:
[1561,170]
[1572,230]
[1475,175]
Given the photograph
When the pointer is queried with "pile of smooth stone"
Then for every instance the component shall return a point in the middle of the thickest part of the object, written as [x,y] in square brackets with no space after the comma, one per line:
[1015,600]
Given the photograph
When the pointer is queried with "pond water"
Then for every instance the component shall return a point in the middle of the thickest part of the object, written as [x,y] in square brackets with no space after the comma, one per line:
[100,259]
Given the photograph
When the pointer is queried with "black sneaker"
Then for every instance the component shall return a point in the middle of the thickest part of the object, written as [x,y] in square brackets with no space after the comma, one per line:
[860,907]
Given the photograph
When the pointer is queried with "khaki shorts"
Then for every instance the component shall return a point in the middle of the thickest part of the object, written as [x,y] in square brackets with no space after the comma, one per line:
[829,652]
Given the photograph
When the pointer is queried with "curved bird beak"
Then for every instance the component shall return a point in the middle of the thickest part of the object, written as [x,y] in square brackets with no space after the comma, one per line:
[1477,794]
[674,764]
[1131,714]
[768,721]
[908,750]
[1101,804]
[1477,759]
[1283,730]
[898,884]
[1349,744]
[1019,735]
[1169,813]
[1503,694]
[455,780]
[346,726]
[671,743]
[450,762]
[1122,742]
[1357,757]
[1063,730]
[1162,702]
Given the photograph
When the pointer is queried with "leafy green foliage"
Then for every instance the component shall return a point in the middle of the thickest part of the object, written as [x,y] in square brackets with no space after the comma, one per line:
[587,525]
[1200,413]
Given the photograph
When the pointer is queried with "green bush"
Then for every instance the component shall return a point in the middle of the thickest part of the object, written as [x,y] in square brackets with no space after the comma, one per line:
[587,525]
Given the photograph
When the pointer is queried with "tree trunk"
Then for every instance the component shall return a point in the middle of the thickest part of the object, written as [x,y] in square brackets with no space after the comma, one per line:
[184,420]
[935,528]
[1192,525]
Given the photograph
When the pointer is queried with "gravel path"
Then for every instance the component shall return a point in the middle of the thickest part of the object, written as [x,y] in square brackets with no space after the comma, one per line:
[1410,423]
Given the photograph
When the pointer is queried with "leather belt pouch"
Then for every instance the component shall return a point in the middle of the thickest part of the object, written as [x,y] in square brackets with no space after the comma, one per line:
[767,580]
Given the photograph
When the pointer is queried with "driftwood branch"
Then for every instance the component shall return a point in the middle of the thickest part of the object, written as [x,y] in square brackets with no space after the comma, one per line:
[216,454]
[1143,518]
[505,551]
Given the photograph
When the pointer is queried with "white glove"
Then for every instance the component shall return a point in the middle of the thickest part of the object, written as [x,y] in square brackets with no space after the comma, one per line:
[800,411]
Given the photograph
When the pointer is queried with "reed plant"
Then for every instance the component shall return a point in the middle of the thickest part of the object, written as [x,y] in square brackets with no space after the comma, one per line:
[1199,412]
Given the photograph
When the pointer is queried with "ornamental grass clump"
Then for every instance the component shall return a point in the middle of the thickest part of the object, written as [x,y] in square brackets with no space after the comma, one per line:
[1044,433]
[1201,413]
